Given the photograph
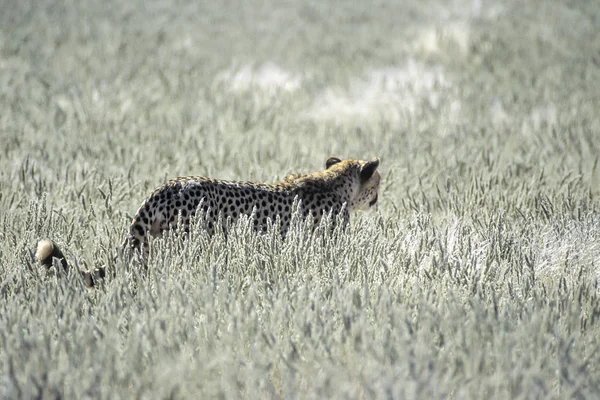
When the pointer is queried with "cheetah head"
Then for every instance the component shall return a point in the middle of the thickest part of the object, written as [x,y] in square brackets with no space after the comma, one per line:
[361,180]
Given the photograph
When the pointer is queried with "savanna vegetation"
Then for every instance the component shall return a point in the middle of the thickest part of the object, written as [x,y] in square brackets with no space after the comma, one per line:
[475,277]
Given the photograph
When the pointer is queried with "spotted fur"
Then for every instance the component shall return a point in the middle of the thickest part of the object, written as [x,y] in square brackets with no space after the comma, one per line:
[344,186]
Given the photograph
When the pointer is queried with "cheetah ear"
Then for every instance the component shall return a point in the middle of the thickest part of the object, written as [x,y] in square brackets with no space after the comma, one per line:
[331,161]
[367,170]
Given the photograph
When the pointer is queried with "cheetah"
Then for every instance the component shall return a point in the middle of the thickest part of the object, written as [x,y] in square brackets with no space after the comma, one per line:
[344,186]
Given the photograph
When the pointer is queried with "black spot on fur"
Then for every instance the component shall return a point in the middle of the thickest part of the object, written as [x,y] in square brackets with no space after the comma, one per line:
[139,229]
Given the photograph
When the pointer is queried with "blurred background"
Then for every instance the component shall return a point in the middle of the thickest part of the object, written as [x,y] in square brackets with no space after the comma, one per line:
[176,87]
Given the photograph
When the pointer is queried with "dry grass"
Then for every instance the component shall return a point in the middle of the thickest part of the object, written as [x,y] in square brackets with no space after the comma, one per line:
[475,278]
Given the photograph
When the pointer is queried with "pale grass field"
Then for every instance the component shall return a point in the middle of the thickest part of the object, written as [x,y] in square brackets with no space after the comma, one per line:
[475,277]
